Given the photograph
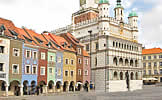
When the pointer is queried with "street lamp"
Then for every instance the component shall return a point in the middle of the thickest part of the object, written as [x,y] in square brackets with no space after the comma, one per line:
[127,80]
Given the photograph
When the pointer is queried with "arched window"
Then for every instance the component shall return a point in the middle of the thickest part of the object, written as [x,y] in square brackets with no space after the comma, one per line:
[126,62]
[115,61]
[115,75]
[121,75]
[113,44]
[132,76]
[120,61]
[119,45]
[131,62]
[116,44]
[136,75]
[136,63]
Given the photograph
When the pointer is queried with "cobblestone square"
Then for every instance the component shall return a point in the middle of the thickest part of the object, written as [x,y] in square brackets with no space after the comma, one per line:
[148,93]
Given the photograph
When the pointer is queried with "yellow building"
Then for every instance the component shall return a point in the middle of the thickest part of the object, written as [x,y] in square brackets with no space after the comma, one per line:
[69,63]
[152,65]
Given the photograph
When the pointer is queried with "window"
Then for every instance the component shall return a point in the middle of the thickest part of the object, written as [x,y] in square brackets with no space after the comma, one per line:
[51,58]
[72,62]
[154,56]
[66,61]
[144,57]
[79,51]
[79,61]
[27,69]
[16,52]
[1,49]
[59,59]
[149,72]
[35,55]
[96,61]
[155,64]
[96,45]
[1,67]
[42,71]
[160,71]
[59,72]
[28,53]
[86,61]
[66,73]
[15,69]
[34,69]
[87,47]
[144,64]
[113,44]
[160,63]
[43,56]
[72,73]
[155,72]
[50,70]
[149,57]
[79,72]
[144,72]
[160,56]
[86,72]
[149,64]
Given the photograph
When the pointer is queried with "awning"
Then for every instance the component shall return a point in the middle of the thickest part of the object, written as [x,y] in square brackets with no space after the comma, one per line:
[151,78]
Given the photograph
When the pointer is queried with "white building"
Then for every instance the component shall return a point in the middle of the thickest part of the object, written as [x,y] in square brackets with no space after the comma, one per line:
[4,64]
[112,44]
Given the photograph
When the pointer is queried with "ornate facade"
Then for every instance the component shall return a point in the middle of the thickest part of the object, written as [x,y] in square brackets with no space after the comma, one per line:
[112,44]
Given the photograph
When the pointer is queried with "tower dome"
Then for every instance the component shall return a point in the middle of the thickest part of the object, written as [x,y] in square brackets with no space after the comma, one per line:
[103,1]
[133,14]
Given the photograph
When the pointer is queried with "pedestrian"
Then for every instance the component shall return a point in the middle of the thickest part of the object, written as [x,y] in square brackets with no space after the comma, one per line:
[37,90]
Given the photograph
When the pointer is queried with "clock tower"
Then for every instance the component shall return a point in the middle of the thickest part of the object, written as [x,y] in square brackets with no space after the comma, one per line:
[88,3]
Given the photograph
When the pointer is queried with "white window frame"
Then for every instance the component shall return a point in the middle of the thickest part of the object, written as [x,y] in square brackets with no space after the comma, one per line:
[18,52]
[87,61]
[59,59]
[36,55]
[79,51]
[67,73]
[43,53]
[52,58]
[49,70]
[59,71]
[17,68]
[80,61]
[33,70]
[43,74]
[29,69]
[29,54]
[86,74]
[79,72]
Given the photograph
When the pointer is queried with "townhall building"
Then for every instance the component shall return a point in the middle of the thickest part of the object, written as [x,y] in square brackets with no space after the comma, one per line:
[116,55]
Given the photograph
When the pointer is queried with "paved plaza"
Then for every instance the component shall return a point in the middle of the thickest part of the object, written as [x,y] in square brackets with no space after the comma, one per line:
[148,93]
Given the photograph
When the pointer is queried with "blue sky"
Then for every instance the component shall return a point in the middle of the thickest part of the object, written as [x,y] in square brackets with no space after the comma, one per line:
[48,15]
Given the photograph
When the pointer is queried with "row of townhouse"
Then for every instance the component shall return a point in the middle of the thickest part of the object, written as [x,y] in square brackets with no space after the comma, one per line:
[29,61]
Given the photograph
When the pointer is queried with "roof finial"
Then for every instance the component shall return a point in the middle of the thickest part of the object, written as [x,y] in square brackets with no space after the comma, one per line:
[118,2]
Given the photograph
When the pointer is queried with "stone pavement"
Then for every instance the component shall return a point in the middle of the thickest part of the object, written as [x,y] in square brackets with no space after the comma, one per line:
[148,93]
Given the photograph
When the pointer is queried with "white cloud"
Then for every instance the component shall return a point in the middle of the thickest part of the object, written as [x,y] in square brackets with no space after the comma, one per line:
[151,25]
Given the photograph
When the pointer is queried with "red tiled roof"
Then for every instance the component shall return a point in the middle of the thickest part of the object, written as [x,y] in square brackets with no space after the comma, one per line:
[23,34]
[34,37]
[60,41]
[152,51]
[73,39]
[8,25]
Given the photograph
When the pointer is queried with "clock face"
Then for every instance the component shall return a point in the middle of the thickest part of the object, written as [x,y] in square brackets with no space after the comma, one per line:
[82,2]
